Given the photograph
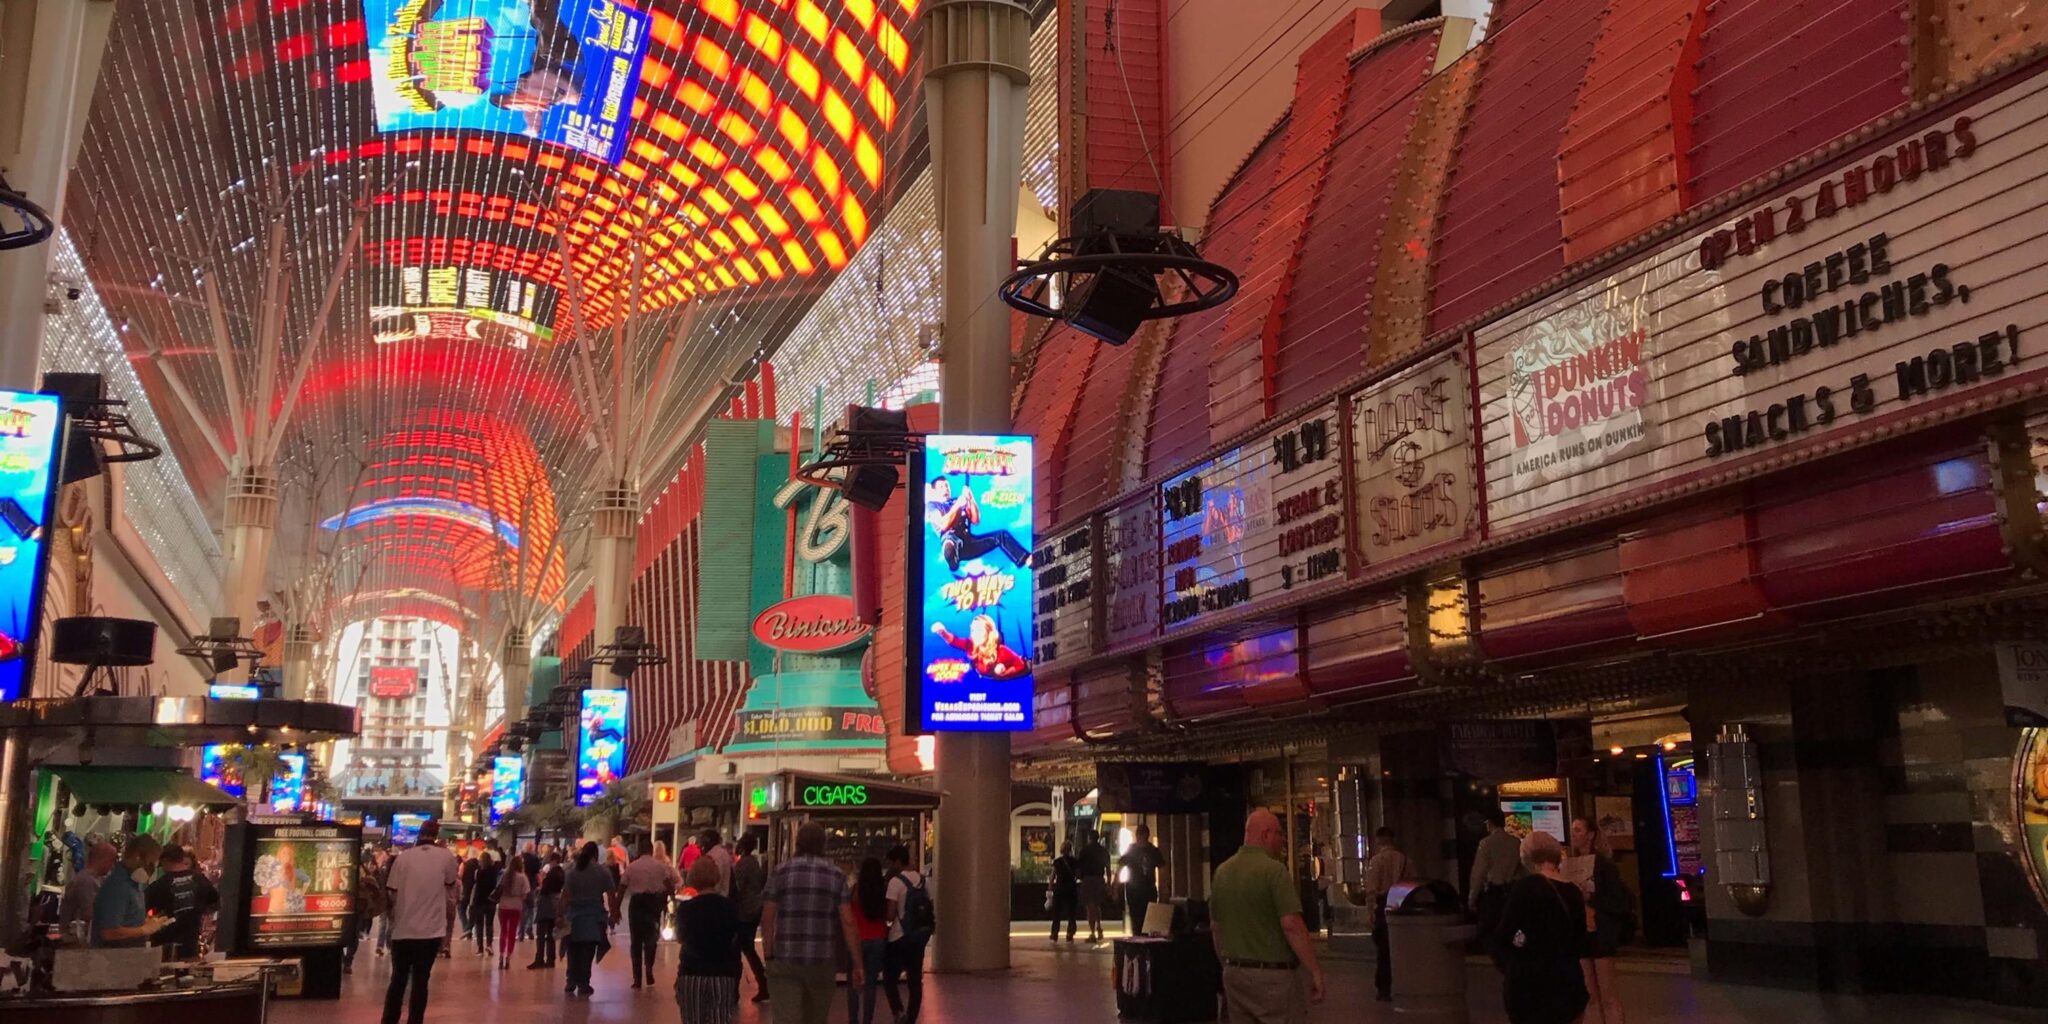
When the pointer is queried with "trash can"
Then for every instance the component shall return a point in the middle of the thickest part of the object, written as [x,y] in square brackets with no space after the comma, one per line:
[1426,941]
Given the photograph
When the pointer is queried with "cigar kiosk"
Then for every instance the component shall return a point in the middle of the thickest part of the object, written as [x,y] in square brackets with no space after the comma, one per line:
[863,815]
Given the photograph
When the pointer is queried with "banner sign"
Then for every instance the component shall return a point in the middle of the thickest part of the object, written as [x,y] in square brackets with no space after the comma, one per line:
[971,582]
[1130,571]
[1906,278]
[803,726]
[811,624]
[392,682]
[1065,567]
[508,785]
[601,743]
[31,428]
[1411,444]
[562,72]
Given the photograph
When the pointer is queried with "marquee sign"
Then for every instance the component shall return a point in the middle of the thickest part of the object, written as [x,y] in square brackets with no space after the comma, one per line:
[393,682]
[1254,523]
[1411,443]
[811,624]
[1064,566]
[1907,277]
[1130,571]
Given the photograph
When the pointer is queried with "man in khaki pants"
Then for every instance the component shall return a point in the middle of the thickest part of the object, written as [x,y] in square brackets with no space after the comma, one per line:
[1255,914]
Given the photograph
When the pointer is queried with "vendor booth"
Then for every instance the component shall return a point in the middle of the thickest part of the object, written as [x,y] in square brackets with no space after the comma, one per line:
[863,815]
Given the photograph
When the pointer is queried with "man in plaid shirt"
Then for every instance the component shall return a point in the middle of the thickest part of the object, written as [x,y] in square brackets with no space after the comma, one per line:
[806,913]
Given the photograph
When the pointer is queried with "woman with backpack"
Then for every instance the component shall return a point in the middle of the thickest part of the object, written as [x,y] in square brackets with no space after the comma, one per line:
[912,917]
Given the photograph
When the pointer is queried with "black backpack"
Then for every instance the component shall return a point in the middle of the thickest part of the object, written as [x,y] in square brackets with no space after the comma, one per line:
[919,915]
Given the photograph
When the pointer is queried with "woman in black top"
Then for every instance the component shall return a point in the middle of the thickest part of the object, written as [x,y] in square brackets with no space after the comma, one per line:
[1610,921]
[483,909]
[546,910]
[708,984]
[1066,891]
[1542,936]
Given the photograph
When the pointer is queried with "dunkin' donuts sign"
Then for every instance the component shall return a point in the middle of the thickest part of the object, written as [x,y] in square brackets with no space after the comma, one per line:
[1908,277]
[812,624]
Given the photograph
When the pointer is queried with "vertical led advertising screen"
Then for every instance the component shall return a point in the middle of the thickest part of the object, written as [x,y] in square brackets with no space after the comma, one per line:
[31,428]
[508,785]
[971,584]
[289,790]
[600,743]
[215,771]
[560,71]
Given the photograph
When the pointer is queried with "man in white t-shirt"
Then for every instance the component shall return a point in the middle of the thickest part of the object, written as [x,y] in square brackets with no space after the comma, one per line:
[423,884]
[904,954]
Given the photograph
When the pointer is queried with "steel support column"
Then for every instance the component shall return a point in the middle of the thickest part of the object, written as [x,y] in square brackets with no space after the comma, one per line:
[614,526]
[977,56]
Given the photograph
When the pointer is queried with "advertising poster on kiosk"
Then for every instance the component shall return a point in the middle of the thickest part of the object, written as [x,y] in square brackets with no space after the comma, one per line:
[291,886]
[601,743]
[971,584]
[31,426]
[561,71]
[508,785]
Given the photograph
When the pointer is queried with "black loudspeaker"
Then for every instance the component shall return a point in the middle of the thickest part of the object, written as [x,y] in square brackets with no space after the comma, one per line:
[98,640]
[1116,210]
[629,640]
[870,486]
[81,393]
[1111,305]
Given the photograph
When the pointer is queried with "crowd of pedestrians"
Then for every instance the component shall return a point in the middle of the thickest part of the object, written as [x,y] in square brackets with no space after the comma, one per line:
[810,919]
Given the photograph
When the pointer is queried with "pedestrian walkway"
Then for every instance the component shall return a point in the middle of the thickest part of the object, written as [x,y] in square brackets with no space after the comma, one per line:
[1071,985]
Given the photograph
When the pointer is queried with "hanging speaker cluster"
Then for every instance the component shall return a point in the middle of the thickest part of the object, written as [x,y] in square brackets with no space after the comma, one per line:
[103,642]
[865,455]
[1104,280]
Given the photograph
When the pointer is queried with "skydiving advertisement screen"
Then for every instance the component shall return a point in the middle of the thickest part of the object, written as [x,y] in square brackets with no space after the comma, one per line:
[508,785]
[560,71]
[601,744]
[971,584]
[30,428]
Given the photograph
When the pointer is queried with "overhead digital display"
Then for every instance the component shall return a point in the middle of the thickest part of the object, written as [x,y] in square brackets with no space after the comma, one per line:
[31,426]
[447,509]
[508,785]
[601,743]
[563,72]
[458,303]
[232,691]
[971,582]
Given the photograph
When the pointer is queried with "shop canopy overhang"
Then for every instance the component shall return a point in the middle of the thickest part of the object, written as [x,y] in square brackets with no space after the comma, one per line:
[124,786]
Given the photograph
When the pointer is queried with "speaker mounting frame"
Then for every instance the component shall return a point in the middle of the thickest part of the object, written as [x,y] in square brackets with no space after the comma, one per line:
[1075,261]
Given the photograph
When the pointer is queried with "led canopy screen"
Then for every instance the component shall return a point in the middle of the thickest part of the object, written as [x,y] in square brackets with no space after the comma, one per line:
[601,743]
[972,584]
[30,427]
[563,72]
[508,785]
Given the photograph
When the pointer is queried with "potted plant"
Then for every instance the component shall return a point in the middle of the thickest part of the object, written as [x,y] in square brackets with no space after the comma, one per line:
[256,767]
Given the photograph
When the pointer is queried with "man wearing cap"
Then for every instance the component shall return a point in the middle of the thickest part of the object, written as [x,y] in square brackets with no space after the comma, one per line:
[184,896]
[1270,973]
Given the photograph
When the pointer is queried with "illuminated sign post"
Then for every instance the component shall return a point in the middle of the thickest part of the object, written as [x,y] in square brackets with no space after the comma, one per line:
[508,785]
[971,584]
[601,743]
[31,428]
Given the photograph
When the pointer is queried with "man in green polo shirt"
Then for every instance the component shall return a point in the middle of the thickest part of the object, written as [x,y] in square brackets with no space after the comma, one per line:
[1255,916]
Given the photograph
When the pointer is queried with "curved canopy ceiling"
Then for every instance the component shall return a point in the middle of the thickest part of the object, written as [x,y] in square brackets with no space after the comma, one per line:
[429,235]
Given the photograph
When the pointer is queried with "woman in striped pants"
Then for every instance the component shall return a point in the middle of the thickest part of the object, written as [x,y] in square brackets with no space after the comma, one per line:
[708,985]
